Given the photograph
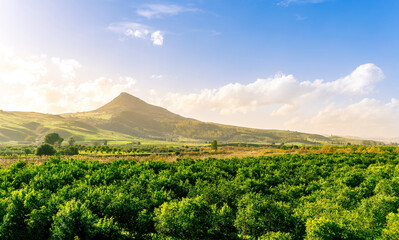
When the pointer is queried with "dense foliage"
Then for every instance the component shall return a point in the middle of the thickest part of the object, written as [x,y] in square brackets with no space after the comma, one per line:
[313,196]
[10,151]
[45,149]
[53,138]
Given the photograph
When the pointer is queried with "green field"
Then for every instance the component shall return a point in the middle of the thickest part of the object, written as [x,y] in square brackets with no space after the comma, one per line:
[290,196]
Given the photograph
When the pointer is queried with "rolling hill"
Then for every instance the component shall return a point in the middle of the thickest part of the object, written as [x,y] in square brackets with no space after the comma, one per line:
[128,118]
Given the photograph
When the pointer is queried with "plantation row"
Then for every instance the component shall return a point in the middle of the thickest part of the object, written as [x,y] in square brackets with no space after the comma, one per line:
[314,196]
[138,150]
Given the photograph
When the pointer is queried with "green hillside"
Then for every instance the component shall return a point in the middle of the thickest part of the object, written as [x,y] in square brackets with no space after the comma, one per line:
[127,118]
[27,127]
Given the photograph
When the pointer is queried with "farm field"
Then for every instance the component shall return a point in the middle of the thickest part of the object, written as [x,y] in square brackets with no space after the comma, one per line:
[285,196]
[169,153]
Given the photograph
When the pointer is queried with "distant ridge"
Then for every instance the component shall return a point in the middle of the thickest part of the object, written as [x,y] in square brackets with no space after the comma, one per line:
[128,118]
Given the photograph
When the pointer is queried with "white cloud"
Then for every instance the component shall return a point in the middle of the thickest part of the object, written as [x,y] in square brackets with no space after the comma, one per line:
[285,110]
[157,38]
[67,67]
[280,90]
[20,70]
[339,107]
[153,92]
[237,97]
[5,53]
[359,81]
[159,10]
[27,85]
[137,30]
[366,118]
[155,76]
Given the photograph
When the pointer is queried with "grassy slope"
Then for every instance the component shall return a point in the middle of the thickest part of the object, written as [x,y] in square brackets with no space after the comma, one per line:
[130,115]
[128,119]
[26,127]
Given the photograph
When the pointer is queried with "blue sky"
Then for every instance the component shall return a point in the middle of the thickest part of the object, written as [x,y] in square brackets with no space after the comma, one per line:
[319,66]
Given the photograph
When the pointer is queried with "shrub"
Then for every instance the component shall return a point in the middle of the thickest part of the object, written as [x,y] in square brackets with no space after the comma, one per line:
[276,236]
[45,149]
[106,228]
[325,229]
[71,150]
[392,229]
[186,219]
[73,220]
[258,215]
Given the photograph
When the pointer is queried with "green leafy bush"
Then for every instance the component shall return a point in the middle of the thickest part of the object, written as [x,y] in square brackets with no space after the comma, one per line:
[73,220]
[45,149]
[70,150]
[189,218]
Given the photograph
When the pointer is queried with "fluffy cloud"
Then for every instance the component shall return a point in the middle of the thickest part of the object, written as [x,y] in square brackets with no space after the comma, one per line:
[41,84]
[136,30]
[280,90]
[20,70]
[67,67]
[5,53]
[159,10]
[339,107]
[366,118]
[358,82]
[84,96]
[157,38]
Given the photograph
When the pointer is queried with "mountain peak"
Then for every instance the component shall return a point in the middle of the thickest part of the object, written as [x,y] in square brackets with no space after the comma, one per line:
[124,94]
[126,102]
[123,102]
[126,98]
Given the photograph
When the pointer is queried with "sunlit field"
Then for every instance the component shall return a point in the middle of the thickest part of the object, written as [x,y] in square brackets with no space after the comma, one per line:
[332,195]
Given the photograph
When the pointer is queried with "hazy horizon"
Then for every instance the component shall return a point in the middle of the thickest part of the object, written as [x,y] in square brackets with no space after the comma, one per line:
[325,66]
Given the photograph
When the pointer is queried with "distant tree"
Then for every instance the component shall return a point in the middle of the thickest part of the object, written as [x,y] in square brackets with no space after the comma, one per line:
[27,151]
[53,138]
[282,146]
[71,141]
[105,142]
[45,149]
[214,145]
[71,150]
